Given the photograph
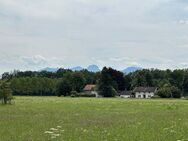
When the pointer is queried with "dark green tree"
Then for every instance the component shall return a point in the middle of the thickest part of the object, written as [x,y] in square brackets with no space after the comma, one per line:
[168,91]
[118,79]
[77,81]
[106,84]
[63,88]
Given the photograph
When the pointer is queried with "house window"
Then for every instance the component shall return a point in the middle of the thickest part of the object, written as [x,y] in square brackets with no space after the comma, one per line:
[149,96]
[139,96]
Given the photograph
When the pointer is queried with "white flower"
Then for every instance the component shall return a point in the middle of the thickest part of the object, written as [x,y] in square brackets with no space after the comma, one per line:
[48,132]
[56,135]
[172,131]
[165,128]
[54,129]
[84,130]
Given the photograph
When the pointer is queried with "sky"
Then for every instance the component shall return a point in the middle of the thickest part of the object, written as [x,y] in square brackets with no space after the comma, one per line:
[117,33]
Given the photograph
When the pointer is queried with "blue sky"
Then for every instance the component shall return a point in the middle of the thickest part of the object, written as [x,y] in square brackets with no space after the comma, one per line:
[118,33]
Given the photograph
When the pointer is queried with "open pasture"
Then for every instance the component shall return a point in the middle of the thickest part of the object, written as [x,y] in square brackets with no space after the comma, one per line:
[92,119]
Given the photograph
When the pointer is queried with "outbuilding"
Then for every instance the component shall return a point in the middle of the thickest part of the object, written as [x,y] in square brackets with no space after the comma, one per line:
[125,94]
[90,89]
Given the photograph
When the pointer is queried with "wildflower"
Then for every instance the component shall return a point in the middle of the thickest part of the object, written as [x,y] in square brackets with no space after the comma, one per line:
[53,137]
[172,131]
[53,129]
[165,128]
[56,135]
[48,132]
[59,126]
[84,130]
[139,123]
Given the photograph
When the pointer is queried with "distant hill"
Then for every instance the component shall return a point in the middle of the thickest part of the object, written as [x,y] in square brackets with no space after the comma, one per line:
[48,69]
[93,68]
[131,69]
[78,68]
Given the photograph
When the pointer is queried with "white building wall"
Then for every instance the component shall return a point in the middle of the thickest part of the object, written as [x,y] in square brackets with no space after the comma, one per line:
[96,93]
[141,95]
[125,96]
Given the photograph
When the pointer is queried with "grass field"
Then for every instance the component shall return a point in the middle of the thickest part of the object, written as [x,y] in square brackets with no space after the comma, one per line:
[85,119]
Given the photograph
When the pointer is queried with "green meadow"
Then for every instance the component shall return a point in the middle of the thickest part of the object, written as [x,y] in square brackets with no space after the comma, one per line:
[92,119]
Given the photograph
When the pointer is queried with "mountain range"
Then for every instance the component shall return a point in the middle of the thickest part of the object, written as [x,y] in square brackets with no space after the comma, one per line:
[48,69]
[94,68]
[91,68]
[131,69]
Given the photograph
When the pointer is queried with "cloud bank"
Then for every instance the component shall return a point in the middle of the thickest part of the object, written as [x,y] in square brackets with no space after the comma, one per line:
[59,33]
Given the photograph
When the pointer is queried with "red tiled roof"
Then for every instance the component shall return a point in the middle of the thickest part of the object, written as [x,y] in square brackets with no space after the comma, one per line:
[89,87]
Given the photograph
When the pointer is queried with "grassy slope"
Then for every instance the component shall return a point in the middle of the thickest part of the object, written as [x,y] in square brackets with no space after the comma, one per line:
[84,119]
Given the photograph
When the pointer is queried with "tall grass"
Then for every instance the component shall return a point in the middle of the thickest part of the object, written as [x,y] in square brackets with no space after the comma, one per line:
[91,119]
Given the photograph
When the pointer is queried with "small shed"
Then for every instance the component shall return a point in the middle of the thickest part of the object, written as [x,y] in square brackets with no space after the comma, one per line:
[125,94]
[90,89]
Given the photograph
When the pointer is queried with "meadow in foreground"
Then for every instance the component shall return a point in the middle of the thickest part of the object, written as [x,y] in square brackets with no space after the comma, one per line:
[91,119]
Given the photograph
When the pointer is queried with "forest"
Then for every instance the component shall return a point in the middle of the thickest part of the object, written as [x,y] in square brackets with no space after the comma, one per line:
[170,83]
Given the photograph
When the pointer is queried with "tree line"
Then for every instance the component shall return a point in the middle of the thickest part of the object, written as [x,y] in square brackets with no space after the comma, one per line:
[45,83]
[109,82]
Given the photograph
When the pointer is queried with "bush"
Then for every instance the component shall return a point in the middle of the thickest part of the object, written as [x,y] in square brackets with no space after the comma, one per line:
[176,93]
[164,92]
[169,92]
[108,91]
[86,95]
[185,98]
[63,88]
[74,94]
[5,93]
[155,97]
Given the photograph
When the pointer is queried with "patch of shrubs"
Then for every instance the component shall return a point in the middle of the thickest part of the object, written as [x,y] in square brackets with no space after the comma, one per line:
[156,97]
[185,98]
[169,92]
[86,95]
[75,94]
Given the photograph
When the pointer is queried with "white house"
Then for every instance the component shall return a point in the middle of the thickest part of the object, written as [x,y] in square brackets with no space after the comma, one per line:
[144,92]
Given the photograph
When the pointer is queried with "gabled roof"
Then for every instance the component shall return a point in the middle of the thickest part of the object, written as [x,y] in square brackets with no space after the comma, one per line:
[125,93]
[145,89]
[89,87]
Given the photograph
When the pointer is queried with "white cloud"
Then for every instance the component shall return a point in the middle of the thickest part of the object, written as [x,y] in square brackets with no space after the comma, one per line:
[183,22]
[37,60]
[82,32]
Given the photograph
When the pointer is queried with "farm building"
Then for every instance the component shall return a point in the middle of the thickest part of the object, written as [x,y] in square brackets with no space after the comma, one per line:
[90,89]
[125,94]
[144,92]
